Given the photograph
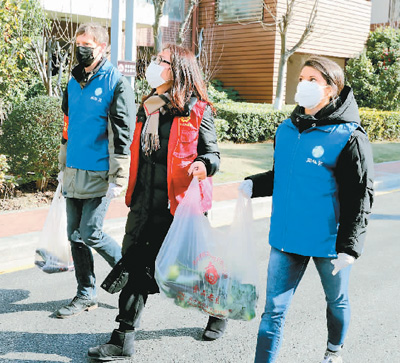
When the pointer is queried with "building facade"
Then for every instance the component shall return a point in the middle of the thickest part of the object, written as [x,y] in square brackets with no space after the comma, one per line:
[239,38]
[100,11]
[249,44]
[385,13]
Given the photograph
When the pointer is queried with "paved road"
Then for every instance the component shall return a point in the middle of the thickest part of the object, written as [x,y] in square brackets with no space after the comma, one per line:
[30,333]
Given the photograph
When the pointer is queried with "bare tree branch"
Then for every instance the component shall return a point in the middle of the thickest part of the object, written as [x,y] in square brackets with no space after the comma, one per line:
[47,54]
[158,13]
[307,31]
[282,23]
[209,51]
[184,25]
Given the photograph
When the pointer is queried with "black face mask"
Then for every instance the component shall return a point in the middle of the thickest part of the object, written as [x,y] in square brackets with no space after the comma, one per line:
[84,56]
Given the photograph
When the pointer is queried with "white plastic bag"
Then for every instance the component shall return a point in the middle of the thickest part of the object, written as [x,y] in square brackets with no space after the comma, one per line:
[53,253]
[205,268]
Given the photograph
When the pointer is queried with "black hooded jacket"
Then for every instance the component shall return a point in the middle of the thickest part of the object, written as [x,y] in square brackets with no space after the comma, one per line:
[353,172]
[150,218]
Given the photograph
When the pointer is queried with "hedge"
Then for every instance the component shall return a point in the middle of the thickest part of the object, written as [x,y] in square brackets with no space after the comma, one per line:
[31,137]
[252,122]
[248,122]
[380,125]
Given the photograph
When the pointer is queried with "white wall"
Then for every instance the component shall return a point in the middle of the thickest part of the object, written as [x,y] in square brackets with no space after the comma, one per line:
[92,8]
[99,10]
[380,11]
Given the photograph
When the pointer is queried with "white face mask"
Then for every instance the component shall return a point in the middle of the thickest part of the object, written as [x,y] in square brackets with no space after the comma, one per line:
[153,75]
[309,94]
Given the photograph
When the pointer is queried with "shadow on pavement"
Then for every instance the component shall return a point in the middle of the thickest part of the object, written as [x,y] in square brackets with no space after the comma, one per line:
[9,303]
[39,347]
[195,333]
[15,347]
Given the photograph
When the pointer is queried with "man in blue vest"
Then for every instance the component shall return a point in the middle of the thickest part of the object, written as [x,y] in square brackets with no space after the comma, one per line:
[99,121]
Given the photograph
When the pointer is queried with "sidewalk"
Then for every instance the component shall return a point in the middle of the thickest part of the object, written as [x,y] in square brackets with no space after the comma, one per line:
[20,230]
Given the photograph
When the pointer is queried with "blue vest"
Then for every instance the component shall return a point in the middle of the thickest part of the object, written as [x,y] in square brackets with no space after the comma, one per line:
[88,109]
[305,206]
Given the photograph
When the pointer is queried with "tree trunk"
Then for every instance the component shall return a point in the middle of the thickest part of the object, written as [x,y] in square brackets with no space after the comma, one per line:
[280,87]
[42,183]
[184,25]
[158,41]
[157,33]
[283,24]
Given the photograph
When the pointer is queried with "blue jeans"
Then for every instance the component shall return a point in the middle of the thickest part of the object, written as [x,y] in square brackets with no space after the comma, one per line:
[84,228]
[285,270]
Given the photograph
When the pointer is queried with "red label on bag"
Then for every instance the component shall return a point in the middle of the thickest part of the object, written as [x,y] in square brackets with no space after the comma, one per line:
[211,274]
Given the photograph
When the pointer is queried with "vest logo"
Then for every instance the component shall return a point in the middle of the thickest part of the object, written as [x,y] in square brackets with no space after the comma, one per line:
[97,92]
[318,151]
[184,119]
[313,161]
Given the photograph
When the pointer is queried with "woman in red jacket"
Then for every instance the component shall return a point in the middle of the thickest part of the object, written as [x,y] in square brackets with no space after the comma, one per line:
[174,141]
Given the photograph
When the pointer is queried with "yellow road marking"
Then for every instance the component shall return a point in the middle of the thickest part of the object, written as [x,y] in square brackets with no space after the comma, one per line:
[15,269]
[388,192]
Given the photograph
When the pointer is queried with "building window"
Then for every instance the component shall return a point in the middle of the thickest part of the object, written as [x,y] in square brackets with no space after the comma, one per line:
[175,9]
[233,11]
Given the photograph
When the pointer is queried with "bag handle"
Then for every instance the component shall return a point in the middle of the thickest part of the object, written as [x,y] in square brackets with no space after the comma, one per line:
[191,202]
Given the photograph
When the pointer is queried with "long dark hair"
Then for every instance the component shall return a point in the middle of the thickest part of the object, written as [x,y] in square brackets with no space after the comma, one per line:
[187,79]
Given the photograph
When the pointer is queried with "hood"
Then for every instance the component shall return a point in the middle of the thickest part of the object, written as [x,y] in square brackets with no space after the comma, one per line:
[343,109]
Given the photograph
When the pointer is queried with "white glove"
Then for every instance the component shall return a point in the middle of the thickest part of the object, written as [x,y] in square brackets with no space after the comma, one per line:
[343,260]
[60,177]
[113,191]
[246,188]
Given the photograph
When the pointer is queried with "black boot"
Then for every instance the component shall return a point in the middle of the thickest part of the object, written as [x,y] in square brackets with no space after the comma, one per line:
[119,347]
[215,328]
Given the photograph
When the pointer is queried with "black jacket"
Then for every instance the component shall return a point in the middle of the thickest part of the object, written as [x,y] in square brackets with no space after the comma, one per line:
[149,218]
[353,172]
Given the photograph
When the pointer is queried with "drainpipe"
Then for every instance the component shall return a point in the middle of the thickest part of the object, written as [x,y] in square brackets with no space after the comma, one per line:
[116,31]
[130,34]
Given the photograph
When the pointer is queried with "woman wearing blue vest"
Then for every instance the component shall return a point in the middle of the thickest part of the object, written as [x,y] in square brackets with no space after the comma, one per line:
[174,140]
[322,191]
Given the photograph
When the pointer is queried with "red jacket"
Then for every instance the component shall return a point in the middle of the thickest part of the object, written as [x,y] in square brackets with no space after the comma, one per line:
[182,151]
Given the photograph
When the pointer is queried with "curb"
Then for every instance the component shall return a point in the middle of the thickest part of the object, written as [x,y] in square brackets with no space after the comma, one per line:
[19,240]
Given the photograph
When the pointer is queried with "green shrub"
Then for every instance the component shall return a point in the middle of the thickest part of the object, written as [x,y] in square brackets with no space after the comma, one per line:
[380,125]
[249,122]
[375,74]
[30,138]
[7,183]
[142,88]
[220,94]
[222,129]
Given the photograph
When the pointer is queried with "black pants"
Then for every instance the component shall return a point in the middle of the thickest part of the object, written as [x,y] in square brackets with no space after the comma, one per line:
[142,251]
[131,305]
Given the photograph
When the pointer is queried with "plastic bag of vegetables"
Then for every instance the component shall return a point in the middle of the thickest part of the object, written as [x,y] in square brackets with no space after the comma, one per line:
[202,267]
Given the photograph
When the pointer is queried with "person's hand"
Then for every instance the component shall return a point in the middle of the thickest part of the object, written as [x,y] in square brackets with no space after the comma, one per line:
[343,260]
[246,188]
[113,191]
[60,177]
[198,169]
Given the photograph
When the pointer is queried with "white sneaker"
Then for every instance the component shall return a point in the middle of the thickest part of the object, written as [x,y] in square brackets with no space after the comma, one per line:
[332,357]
